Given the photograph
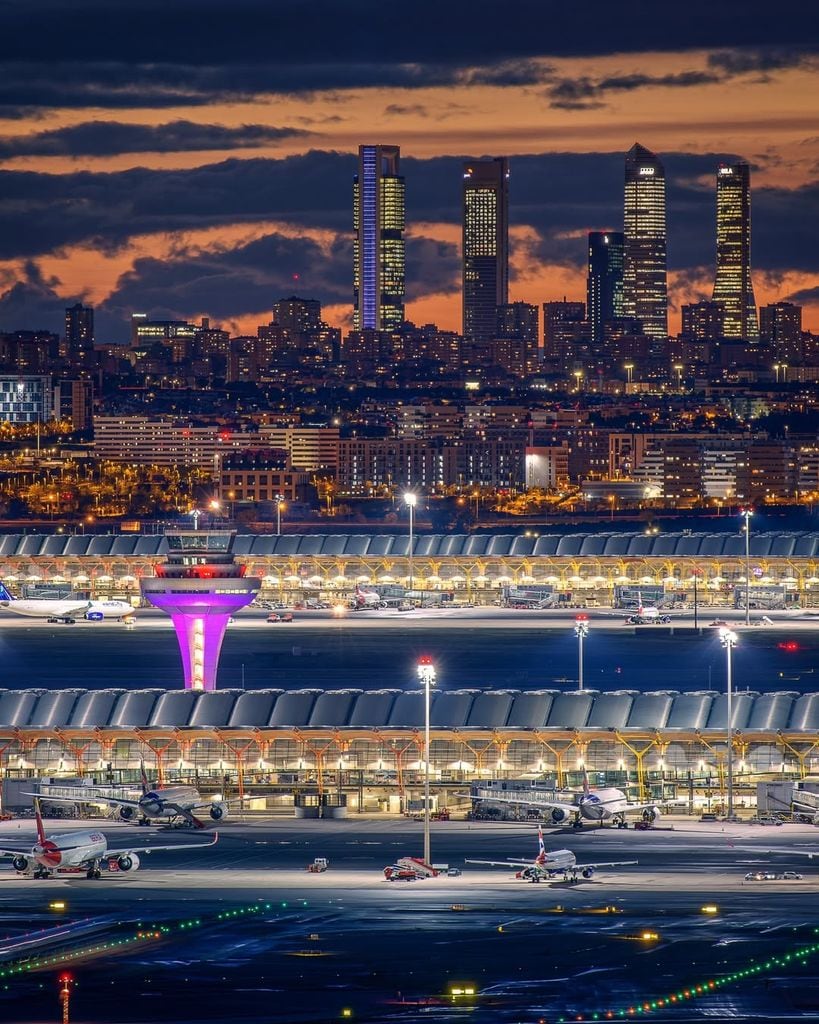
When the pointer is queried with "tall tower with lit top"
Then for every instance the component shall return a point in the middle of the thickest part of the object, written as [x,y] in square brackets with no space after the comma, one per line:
[200,586]
[645,285]
[379,256]
[732,284]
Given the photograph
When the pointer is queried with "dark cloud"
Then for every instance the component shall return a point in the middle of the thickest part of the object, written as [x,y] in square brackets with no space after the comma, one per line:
[806,295]
[432,266]
[584,93]
[156,54]
[109,138]
[743,62]
[467,33]
[406,110]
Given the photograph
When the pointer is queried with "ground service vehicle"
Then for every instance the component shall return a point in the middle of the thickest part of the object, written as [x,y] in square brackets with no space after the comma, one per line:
[319,865]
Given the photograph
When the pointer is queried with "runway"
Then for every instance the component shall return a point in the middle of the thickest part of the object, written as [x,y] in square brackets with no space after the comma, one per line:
[481,648]
[275,943]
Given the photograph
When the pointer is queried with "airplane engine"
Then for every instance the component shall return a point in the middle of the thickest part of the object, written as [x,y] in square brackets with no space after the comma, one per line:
[652,815]
[557,815]
[218,811]
[588,872]
[128,862]
[20,864]
[127,813]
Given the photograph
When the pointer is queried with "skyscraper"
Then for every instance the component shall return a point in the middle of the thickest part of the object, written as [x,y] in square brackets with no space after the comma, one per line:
[732,284]
[604,284]
[378,248]
[645,289]
[780,327]
[485,246]
[79,328]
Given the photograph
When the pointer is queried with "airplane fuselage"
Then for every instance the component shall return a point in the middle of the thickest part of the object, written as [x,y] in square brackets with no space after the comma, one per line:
[156,802]
[70,608]
[72,850]
[602,804]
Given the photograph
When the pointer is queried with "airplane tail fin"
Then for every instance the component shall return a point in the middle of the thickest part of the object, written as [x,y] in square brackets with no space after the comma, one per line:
[4,594]
[41,836]
[541,849]
[143,775]
[585,781]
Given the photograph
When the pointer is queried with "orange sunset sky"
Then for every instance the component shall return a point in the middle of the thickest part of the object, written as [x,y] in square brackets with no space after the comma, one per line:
[127,202]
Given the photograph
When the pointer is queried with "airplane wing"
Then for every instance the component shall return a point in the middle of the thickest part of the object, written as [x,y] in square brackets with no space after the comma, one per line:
[503,863]
[153,849]
[185,813]
[15,853]
[518,798]
[778,849]
[602,864]
[84,798]
[641,807]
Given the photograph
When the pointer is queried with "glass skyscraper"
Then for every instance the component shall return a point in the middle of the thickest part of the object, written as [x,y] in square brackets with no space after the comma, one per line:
[732,284]
[645,287]
[485,246]
[604,284]
[379,269]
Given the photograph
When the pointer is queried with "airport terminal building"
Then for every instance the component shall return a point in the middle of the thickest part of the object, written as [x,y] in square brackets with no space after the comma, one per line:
[368,745]
[783,567]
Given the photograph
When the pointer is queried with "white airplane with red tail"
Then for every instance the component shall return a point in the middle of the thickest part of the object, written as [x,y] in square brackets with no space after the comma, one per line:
[366,599]
[551,863]
[79,851]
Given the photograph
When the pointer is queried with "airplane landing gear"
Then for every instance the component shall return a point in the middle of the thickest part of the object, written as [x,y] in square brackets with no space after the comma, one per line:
[93,872]
[622,823]
[577,823]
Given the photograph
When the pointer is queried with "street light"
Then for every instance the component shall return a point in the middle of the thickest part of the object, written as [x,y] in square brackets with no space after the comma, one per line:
[426,675]
[696,574]
[279,506]
[728,640]
[410,500]
[581,631]
[746,514]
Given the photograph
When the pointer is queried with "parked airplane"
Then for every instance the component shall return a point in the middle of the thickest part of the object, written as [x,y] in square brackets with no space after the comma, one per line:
[599,805]
[65,609]
[550,863]
[647,616]
[155,802]
[366,599]
[83,850]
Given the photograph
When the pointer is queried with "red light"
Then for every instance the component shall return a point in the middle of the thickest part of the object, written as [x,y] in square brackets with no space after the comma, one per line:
[788,645]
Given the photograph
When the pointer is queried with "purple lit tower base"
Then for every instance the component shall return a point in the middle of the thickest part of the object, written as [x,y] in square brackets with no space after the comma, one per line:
[200,586]
[200,623]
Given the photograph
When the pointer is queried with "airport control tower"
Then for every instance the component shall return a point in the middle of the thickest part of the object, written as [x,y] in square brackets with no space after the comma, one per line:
[200,586]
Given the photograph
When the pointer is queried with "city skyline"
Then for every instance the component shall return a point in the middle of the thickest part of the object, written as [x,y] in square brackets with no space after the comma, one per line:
[205,187]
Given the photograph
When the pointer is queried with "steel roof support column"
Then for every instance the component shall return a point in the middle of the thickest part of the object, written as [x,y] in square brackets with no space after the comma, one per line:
[800,755]
[75,749]
[158,749]
[639,753]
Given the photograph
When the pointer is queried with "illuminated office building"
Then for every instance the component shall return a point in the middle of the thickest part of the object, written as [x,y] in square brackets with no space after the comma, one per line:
[645,288]
[378,248]
[485,246]
[79,328]
[732,284]
[604,284]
